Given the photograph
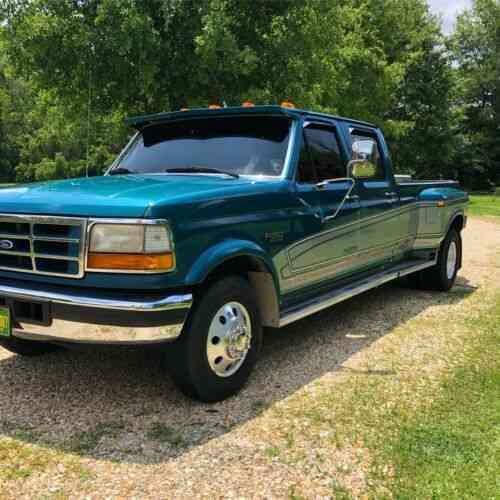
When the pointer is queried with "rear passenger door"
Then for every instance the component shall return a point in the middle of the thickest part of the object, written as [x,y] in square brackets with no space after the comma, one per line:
[323,185]
[379,215]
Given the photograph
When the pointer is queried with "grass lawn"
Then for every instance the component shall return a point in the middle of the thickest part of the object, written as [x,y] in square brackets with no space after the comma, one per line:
[430,433]
[453,449]
[482,204]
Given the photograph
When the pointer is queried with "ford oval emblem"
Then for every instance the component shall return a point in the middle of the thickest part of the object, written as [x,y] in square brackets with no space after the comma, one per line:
[6,245]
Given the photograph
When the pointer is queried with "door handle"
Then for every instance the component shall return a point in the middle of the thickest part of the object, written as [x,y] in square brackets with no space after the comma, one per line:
[393,197]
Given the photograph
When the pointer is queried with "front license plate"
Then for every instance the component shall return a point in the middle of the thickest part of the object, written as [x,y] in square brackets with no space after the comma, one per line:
[4,322]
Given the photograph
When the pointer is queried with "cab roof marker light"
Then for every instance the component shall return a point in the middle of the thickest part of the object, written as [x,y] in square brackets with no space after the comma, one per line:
[288,105]
[215,106]
[248,104]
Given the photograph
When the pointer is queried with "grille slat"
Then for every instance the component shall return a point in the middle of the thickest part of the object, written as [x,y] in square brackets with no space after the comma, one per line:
[43,245]
[14,236]
[55,257]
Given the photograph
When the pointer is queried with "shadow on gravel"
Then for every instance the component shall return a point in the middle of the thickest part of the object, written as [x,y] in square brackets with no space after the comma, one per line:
[120,404]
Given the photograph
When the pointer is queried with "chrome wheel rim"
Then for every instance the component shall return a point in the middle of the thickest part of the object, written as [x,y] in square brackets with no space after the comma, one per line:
[229,339]
[451,261]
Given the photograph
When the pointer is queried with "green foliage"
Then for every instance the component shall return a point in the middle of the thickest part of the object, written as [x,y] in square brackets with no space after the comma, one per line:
[476,48]
[71,71]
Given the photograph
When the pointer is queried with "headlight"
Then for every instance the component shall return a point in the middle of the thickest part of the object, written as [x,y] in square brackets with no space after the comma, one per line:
[132,247]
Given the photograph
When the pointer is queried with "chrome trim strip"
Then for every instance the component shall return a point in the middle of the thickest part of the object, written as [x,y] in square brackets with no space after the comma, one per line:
[41,219]
[52,239]
[415,182]
[55,257]
[12,252]
[168,303]
[341,294]
[287,163]
[14,236]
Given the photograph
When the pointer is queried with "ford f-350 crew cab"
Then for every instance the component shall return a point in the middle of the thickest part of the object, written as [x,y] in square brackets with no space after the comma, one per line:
[209,226]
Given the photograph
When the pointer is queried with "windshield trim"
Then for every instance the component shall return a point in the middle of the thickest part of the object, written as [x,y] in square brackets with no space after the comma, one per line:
[284,172]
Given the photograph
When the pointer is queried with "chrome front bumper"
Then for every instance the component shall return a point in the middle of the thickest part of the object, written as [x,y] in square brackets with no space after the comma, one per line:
[102,318]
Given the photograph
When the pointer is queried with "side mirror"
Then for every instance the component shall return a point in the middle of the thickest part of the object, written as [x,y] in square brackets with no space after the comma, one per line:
[362,169]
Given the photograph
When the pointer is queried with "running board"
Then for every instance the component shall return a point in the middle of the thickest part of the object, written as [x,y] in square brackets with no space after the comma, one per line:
[337,295]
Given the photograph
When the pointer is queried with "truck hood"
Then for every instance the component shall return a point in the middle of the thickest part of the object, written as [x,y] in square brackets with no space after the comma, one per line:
[116,196]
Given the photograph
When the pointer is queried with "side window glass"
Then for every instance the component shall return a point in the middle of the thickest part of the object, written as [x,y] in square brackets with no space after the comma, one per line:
[366,153]
[305,170]
[325,153]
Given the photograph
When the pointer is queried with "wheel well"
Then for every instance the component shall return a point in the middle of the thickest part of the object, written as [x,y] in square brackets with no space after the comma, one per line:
[260,278]
[458,223]
[240,265]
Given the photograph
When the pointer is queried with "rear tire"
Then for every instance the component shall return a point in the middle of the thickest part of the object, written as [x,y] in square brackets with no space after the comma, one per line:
[442,276]
[215,354]
[29,348]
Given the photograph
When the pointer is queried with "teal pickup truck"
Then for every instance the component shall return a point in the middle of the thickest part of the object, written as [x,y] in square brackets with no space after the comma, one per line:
[212,224]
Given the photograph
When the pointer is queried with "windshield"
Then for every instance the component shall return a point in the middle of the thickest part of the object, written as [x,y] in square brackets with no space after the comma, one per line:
[242,145]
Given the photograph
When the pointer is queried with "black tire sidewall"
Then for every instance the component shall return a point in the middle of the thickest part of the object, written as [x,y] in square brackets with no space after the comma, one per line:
[445,282]
[196,378]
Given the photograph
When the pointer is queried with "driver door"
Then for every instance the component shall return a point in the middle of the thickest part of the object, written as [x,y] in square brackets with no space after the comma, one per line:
[329,252]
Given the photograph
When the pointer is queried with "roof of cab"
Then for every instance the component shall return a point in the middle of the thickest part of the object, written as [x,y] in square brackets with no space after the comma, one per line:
[141,121]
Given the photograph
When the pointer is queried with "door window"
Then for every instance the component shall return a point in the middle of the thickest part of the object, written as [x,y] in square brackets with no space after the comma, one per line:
[320,157]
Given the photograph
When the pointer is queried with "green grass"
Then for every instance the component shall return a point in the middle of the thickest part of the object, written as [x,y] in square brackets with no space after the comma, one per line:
[418,433]
[86,441]
[166,434]
[482,204]
[452,451]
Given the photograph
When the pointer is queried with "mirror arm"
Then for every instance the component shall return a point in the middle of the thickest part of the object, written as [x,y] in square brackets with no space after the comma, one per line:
[327,182]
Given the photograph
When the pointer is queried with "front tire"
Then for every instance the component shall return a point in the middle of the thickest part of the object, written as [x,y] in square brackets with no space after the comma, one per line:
[219,346]
[29,348]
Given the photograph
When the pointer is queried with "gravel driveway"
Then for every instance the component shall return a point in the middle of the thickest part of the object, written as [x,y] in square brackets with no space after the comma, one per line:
[110,424]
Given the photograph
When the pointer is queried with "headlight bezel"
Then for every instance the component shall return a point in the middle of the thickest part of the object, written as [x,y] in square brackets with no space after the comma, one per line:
[135,223]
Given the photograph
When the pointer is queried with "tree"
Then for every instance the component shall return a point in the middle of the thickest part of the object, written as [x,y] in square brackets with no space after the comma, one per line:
[378,60]
[476,48]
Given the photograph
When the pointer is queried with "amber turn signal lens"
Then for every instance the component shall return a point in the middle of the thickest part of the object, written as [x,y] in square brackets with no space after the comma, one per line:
[130,262]
[214,106]
[248,104]
[288,104]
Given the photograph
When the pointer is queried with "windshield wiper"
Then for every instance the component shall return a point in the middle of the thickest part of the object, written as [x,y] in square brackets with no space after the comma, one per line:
[120,171]
[200,170]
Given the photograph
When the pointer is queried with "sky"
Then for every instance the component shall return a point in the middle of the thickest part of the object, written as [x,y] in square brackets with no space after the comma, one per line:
[449,10]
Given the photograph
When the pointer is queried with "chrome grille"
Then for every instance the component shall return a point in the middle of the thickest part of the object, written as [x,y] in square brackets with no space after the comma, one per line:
[51,246]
